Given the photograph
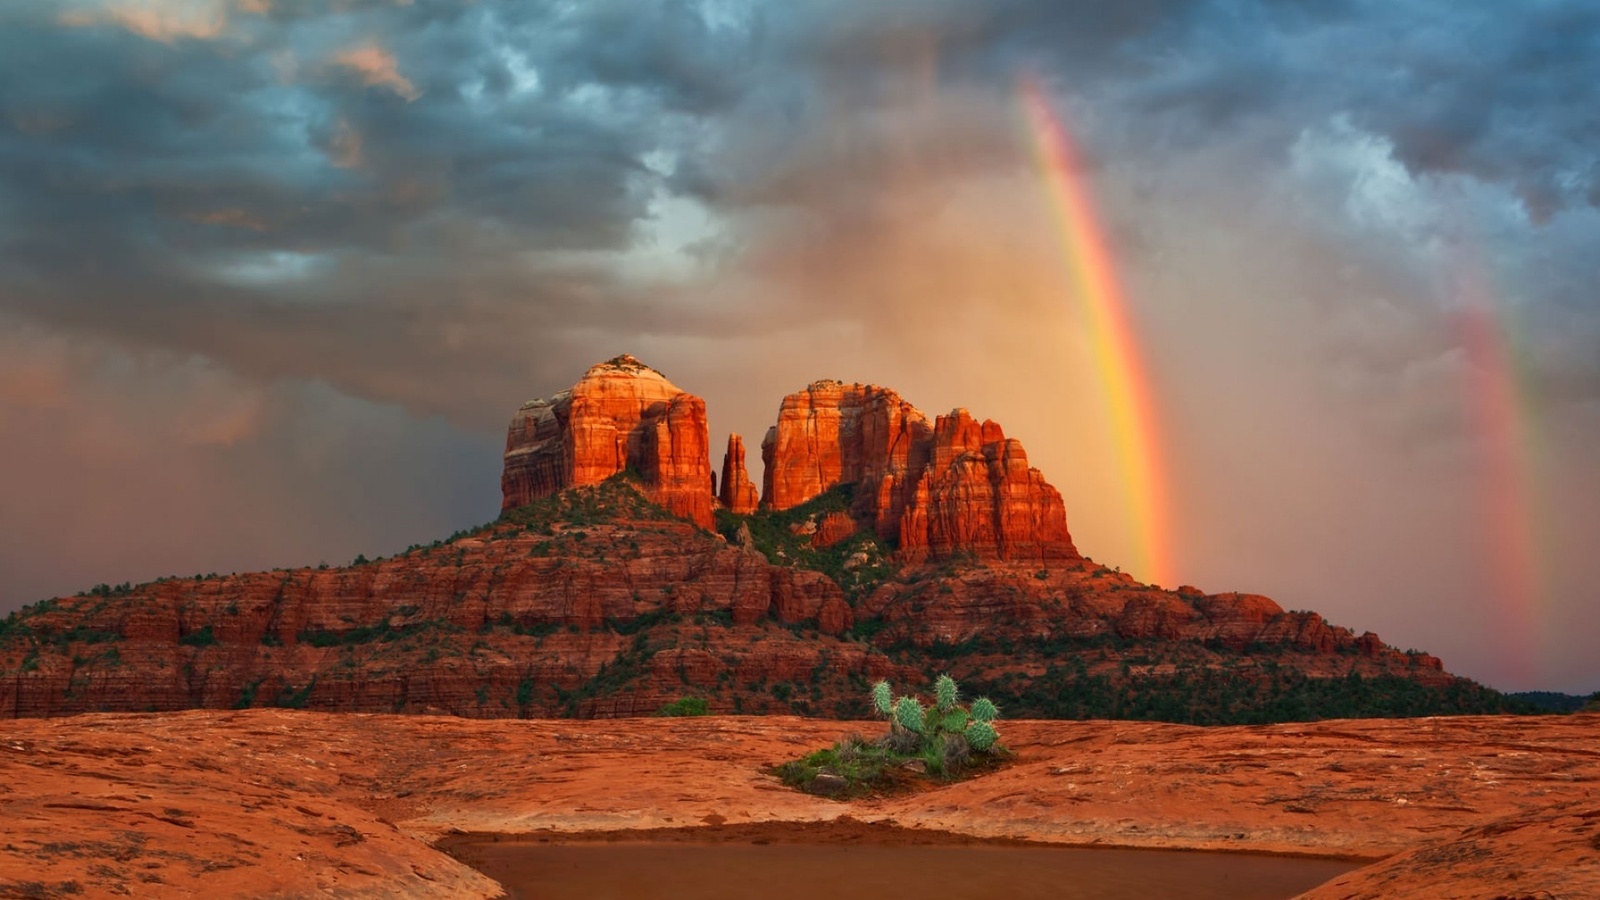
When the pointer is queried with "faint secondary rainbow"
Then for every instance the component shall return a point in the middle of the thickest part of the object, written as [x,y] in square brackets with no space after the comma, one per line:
[1116,351]
[1498,399]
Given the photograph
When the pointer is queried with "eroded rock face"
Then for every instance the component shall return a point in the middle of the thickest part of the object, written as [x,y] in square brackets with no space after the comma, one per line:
[622,415]
[833,433]
[979,495]
[959,486]
[509,621]
[738,491]
[586,599]
[1082,601]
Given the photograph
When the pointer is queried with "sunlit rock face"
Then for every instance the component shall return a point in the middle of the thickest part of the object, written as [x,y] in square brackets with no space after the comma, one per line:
[595,596]
[739,494]
[621,416]
[955,486]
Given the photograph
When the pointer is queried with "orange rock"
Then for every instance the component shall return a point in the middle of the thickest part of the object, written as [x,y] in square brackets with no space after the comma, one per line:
[832,528]
[286,803]
[622,415]
[1155,616]
[833,433]
[458,628]
[958,487]
[738,491]
[1235,620]
[568,608]
[979,495]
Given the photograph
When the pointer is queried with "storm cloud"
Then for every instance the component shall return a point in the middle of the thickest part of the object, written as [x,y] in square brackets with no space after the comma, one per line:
[274,273]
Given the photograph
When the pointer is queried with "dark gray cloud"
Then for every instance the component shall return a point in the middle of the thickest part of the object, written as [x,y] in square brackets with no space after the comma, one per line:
[249,227]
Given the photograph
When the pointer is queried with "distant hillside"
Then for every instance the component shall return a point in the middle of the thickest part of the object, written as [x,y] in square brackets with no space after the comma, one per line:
[1551,701]
[884,545]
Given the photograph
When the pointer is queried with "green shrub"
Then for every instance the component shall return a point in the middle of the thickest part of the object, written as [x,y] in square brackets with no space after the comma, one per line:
[686,706]
[943,740]
[201,638]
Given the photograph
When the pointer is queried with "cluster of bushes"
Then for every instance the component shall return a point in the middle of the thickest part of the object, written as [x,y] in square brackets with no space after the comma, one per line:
[1251,697]
[773,535]
[618,497]
[942,740]
[686,706]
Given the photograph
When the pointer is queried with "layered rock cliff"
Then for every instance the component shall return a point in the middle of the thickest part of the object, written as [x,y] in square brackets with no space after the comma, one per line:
[957,486]
[591,603]
[595,603]
[884,546]
[621,416]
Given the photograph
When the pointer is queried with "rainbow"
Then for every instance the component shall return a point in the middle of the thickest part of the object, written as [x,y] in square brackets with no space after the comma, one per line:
[1497,401]
[1124,386]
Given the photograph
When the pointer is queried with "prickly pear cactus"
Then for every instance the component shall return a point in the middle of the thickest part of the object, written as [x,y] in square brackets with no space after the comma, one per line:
[882,698]
[908,712]
[954,721]
[945,721]
[944,693]
[981,735]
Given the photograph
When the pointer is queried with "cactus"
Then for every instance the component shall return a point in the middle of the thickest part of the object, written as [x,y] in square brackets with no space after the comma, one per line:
[944,693]
[981,735]
[908,712]
[946,727]
[882,698]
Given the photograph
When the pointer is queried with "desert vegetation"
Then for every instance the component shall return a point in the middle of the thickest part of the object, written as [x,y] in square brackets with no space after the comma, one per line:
[944,741]
[856,564]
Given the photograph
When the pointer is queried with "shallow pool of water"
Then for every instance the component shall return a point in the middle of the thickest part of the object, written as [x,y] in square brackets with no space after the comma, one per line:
[678,871]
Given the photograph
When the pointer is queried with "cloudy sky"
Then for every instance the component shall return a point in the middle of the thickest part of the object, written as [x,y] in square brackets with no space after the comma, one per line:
[274,274]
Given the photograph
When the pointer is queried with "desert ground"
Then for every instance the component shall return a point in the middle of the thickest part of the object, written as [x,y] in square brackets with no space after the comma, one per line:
[285,803]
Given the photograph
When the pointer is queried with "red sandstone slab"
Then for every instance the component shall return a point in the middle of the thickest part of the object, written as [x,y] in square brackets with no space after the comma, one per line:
[261,801]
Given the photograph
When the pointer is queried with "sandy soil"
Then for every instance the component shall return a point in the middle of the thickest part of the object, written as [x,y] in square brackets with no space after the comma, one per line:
[281,803]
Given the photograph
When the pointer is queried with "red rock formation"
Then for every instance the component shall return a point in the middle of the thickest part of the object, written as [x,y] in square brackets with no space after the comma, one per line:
[1011,605]
[592,602]
[959,486]
[832,528]
[979,495]
[621,415]
[738,491]
[455,627]
[1234,620]
[833,433]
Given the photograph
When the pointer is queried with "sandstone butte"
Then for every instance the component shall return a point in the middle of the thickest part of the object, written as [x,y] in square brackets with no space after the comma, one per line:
[885,546]
[621,416]
[953,486]
[276,803]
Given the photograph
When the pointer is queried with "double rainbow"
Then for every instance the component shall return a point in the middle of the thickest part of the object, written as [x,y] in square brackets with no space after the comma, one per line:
[1498,400]
[1117,364]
